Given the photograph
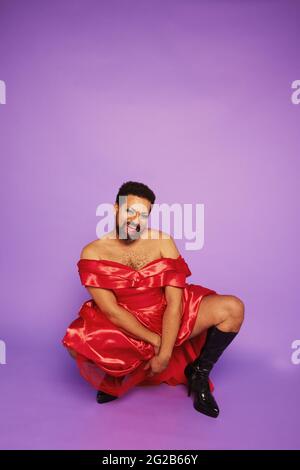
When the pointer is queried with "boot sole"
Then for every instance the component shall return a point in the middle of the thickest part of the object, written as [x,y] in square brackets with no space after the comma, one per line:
[204,412]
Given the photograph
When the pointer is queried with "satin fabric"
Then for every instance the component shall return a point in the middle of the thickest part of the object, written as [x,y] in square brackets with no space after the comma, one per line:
[107,356]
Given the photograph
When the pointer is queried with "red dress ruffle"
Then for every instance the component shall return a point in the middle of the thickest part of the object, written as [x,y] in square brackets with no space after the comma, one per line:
[108,358]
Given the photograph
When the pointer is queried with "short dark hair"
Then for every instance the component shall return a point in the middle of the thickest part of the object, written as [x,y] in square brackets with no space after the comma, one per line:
[137,189]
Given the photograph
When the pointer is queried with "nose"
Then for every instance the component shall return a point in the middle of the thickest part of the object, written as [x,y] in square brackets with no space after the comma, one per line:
[135,220]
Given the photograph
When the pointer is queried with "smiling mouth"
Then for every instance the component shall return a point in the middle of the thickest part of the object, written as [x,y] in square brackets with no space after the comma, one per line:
[132,228]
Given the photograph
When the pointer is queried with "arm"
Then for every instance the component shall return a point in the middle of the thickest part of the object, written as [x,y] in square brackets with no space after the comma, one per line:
[172,315]
[171,321]
[106,300]
[173,312]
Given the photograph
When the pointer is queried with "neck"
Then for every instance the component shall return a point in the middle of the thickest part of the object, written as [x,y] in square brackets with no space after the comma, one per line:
[124,241]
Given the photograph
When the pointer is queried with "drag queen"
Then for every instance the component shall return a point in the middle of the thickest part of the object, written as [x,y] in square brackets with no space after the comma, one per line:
[144,324]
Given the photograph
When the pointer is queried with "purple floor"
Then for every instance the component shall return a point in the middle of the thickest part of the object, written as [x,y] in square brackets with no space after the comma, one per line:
[49,406]
[194,99]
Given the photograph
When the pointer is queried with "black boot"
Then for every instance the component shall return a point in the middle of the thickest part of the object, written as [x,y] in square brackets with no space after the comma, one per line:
[197,372]
[103,397]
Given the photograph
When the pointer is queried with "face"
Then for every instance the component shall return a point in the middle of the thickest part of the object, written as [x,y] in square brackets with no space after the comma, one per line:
[132,217]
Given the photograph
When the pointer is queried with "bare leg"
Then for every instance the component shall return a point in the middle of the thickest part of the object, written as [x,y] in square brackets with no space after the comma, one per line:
[224,311]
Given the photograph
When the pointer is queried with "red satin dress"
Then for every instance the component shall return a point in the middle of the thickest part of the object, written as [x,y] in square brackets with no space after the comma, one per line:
[111,360]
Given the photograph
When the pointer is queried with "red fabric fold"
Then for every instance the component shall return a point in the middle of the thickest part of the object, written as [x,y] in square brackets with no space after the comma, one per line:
[109,358]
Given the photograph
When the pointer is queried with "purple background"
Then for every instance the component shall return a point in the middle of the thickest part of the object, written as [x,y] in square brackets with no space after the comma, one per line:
[192,98]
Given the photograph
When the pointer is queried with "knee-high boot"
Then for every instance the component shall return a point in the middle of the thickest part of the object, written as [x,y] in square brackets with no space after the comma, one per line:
[197,372]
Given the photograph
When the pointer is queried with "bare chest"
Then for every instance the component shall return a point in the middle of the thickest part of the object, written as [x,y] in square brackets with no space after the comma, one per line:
[136,260]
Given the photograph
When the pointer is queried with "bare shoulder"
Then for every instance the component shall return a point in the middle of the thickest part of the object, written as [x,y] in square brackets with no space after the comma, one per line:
[168,247]
[92,250]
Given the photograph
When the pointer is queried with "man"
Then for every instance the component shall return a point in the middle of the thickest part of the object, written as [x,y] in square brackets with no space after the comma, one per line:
[132,243]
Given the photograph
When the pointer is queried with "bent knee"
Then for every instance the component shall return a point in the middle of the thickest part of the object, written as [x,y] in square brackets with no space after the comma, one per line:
[235,308]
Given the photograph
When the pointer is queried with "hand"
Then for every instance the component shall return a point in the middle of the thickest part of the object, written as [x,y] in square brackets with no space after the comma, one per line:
[157,364]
